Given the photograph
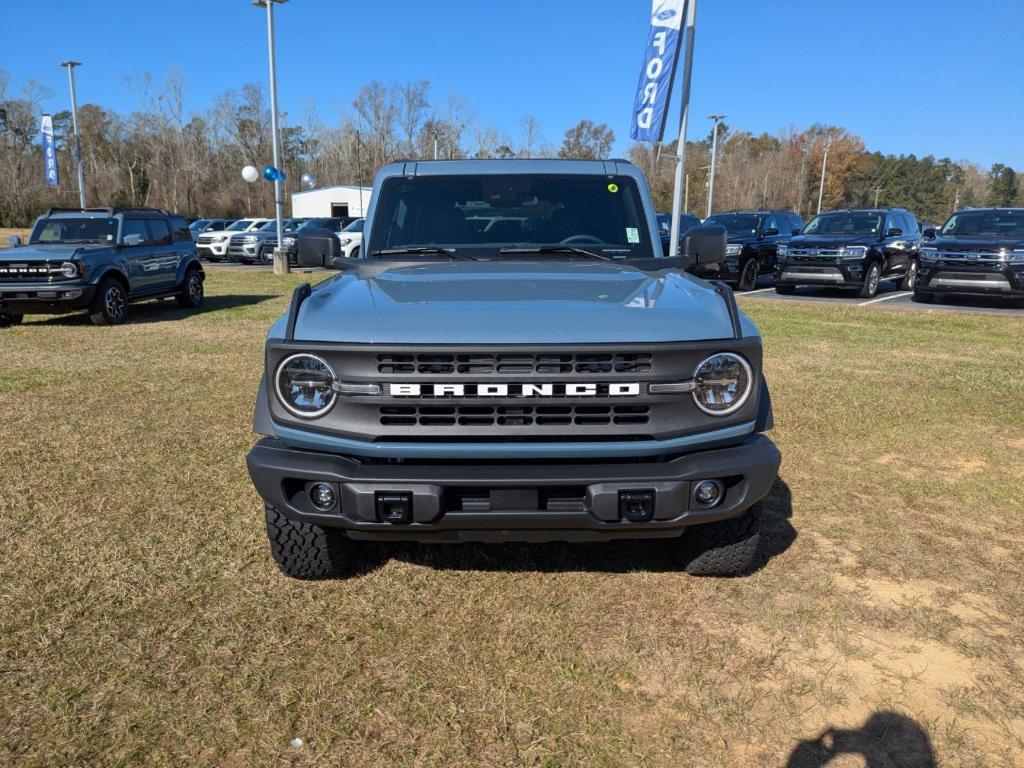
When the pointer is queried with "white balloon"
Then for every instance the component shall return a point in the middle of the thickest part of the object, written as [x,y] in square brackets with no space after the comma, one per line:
[308,179]
[250,173]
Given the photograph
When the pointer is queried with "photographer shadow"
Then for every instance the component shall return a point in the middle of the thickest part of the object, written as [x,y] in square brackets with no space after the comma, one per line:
[885,740]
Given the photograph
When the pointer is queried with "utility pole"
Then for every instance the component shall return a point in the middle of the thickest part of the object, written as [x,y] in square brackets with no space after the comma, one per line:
[824,162]
[690,30]
[74,124]
[276,141]
[686,199]
[714,157]
[878,191]
[359,169]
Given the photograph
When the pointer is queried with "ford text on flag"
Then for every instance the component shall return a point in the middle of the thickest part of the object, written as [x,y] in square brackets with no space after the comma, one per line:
[49,152]
[659,66]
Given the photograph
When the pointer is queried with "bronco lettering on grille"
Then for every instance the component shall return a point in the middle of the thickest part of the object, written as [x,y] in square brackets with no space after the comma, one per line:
[617,389]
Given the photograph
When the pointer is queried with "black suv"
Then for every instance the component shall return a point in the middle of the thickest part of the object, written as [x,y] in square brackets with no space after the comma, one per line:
[753,240]
[687,221]
[99,260]
[852,249]
[978,252]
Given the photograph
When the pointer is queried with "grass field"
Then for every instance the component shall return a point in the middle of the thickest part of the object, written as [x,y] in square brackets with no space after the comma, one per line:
[142,620]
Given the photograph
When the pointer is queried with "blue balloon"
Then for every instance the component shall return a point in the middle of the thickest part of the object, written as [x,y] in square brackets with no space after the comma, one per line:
[269,172]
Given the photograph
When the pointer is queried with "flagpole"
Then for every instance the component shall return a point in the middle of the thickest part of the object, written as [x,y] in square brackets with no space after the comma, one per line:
[677,189]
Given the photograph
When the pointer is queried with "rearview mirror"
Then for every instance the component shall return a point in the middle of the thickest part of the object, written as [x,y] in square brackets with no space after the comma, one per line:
[894,232]
[14,240]
[704,245]
[133,239]
[318,247]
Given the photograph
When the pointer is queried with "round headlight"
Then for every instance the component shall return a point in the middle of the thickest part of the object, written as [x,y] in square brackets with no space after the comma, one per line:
[69,269]
[304,385]
[723,383]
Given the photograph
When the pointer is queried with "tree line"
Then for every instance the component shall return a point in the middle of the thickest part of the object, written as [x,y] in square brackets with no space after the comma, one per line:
[162,156]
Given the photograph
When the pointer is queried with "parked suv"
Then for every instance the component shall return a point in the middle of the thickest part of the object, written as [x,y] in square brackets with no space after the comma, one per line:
[201,226]
[513,358]
[687,221]
[247,247]
[214,246]
[334,224]
[99,260]
[351,239]
[978,252]
[754,239]
[852,249]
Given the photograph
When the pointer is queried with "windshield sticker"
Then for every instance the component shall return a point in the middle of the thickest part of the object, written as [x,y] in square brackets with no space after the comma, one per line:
[632,234]
[613,188]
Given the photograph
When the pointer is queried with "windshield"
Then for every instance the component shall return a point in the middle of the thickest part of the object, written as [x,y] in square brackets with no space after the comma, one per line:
[686,223]
[845,223]
[355,226]
[1008,225]
[82,230]
[198,224]
[736,223]
[239,225]
[479,215]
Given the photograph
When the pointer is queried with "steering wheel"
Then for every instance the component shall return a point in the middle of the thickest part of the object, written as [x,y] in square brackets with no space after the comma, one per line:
[582,239]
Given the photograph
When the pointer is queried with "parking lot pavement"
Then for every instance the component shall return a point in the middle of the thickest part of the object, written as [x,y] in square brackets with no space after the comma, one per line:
[889,295]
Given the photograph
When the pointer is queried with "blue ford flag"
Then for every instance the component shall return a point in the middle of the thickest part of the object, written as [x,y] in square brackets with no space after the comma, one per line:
[660,57]
[49,152]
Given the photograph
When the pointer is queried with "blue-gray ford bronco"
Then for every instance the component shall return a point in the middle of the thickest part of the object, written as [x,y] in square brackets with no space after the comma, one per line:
[99,260]
[513,358]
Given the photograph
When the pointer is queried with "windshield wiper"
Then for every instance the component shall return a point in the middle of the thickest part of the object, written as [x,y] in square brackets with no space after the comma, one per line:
[559,249]
[423,249]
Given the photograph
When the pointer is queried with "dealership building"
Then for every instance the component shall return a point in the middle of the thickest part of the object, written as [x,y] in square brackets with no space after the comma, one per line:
[340,200]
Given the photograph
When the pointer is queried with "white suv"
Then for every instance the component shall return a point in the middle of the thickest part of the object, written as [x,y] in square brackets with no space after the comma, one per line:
[214,246]
[351,238]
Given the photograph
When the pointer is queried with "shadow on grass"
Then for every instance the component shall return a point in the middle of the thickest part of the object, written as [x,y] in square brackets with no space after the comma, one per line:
[162,310]
[886,740]
[648,555]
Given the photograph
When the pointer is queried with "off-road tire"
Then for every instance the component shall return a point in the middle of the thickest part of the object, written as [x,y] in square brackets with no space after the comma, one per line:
[910,278]
[6,321]
[307,551]
[871,284]
[110,304]
[725,548]
[785,290]
[748,275]
[191,296]
[922,297]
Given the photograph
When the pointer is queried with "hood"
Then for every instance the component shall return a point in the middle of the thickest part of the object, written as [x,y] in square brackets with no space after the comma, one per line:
[55,252]
[742,239]
[831,241]
[973,244]
[511,302]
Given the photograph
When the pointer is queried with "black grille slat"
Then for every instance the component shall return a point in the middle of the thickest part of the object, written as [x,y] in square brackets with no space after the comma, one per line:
[513,416]
[544,363]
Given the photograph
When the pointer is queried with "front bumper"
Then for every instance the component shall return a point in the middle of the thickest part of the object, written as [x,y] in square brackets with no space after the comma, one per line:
[212,250]
[972,280]
[44,298]
[513,501]
[824,272]
[728,271]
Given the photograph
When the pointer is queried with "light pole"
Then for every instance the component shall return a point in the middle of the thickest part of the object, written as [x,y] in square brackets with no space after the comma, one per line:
[824,162]
[74,124]
[684,117]
[269,5]
[714,157]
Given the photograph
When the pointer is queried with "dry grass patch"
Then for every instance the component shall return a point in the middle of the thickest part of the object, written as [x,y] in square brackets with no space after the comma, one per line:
[142,621]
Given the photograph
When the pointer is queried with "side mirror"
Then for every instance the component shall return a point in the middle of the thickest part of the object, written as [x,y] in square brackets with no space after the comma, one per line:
[796,231]
[132,240]
[894,232]
[704,245]
[770,232]
[929,234]
[318,247]
[14,240]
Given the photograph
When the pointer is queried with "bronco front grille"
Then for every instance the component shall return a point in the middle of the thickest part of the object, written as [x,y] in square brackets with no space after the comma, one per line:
[513,415]
[515,363]
[36,271]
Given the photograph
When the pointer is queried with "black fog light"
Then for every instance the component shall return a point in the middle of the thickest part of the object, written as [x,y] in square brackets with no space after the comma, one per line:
[707,493]
[393,507]
[323,496]
[636,506]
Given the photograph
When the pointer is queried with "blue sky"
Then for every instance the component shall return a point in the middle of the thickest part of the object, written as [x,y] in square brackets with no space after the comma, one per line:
[923,76]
